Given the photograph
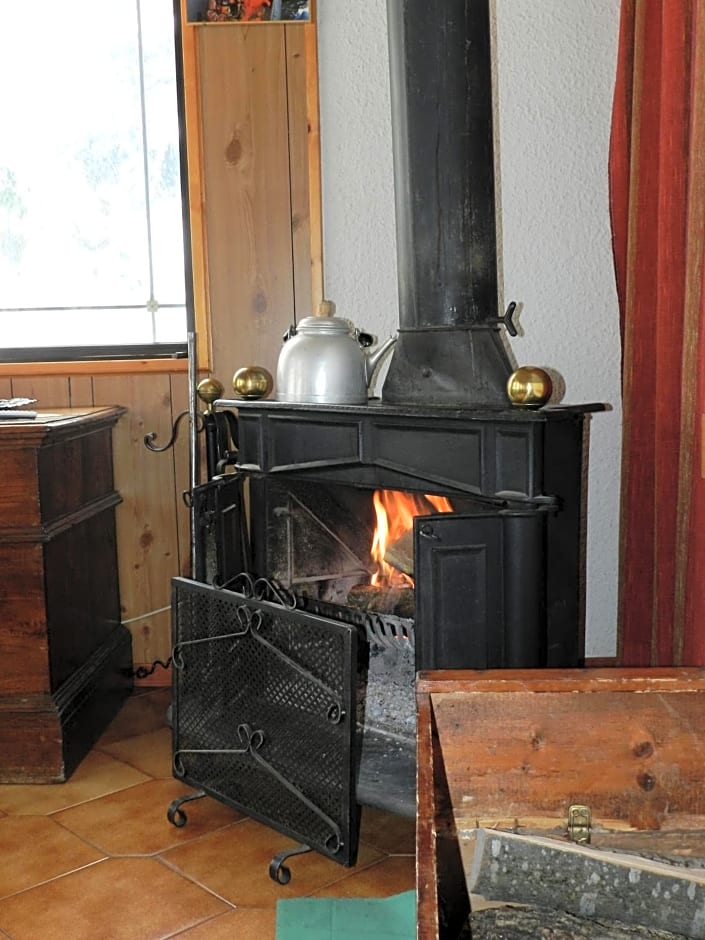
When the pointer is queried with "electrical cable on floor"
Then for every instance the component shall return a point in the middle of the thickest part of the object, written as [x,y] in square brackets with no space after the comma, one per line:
[143,671]
[150,613]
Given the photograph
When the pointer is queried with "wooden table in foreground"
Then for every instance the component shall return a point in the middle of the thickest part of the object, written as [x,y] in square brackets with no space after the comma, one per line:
[65,657]
[513,750]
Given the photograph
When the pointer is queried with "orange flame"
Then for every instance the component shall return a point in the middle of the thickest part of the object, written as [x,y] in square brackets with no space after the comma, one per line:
[395,512]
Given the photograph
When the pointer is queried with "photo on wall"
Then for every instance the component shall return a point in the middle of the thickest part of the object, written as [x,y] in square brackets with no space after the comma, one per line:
[249,11]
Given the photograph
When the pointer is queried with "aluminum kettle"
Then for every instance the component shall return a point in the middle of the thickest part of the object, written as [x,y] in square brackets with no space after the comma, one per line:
[324,361]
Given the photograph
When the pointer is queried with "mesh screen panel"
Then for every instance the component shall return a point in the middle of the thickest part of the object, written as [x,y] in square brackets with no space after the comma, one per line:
[264,714]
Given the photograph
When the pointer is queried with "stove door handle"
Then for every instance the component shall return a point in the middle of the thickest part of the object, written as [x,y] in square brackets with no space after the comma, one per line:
[426,530]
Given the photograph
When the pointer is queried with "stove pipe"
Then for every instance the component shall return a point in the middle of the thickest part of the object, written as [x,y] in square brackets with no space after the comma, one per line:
[449,349]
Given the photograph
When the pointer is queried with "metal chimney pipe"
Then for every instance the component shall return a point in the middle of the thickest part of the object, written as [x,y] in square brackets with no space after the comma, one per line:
[449,349]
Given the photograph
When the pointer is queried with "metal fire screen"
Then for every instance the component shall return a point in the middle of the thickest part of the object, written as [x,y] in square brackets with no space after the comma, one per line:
[264,713]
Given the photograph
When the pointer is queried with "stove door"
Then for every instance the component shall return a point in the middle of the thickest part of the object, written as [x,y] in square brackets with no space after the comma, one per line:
[221,550]
[480,590]
[264,713]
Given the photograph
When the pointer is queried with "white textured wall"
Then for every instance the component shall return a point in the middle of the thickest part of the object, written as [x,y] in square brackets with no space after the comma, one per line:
[555,62]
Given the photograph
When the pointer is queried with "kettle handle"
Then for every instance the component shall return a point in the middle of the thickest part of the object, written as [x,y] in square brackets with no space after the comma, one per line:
[326,308]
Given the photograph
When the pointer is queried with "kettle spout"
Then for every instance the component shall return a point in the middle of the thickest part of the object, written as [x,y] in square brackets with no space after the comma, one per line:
[373,359]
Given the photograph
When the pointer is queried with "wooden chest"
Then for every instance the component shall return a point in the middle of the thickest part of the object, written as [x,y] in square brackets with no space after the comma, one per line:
[512,751]
[65,657]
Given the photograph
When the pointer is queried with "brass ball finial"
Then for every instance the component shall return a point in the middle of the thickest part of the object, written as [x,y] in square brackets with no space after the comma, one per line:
[252,382]
[529,387]
[208,390]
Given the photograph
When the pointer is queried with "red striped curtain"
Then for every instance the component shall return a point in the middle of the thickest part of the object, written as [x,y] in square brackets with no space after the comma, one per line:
[657,192]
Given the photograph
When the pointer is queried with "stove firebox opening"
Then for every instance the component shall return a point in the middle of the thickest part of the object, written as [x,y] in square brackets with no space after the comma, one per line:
[460,580]
[346,546]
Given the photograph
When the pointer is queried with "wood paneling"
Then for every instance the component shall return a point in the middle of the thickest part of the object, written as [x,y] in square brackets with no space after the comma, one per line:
[51,391]
[89,367]
[81,390]
[313,169]
[247,194]
[148,547]
[301,126]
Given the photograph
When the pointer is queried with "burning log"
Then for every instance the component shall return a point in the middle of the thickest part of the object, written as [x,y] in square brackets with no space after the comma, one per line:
[380,599]
[400,554]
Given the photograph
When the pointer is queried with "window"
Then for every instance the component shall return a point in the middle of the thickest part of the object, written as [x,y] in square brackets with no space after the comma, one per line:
[91,228]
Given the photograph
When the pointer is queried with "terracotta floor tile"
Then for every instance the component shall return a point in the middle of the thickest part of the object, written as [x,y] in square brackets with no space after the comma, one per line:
[56,885]
[150,753]
[389,876]
[140,714]
[234,863]
[118,899]
[34,849]
[134,821]
[394,835]
[245,924]
[95,776]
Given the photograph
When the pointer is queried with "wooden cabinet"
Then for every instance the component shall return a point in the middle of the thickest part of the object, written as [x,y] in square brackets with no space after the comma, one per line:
[527,754]
[65,657]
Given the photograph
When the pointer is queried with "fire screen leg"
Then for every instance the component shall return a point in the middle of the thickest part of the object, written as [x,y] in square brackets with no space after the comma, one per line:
[175,814]
[278,871]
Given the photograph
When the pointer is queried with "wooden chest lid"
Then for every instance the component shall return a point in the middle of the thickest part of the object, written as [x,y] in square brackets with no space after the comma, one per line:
[519,747]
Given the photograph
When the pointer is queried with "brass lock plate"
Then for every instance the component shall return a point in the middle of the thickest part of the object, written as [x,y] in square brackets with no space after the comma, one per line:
[579,823]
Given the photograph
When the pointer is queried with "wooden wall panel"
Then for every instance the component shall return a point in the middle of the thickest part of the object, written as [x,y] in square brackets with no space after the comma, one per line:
[247,195]
[301,126]
[81,390]
[146,520]
[51,391]
[5,388]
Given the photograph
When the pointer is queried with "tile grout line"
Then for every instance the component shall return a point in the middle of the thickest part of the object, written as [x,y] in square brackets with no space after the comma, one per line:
[177,871]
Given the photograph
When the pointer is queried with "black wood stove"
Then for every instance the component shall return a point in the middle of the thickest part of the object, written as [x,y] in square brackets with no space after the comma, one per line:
[293,677]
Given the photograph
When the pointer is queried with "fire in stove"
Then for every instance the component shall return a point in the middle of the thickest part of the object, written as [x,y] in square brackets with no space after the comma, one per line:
[390,587]
[392,543]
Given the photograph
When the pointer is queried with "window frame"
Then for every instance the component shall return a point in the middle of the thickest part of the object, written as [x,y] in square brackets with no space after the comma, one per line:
[171,357]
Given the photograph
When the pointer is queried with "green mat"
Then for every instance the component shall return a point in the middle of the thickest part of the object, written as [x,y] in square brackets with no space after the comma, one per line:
[391,918]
